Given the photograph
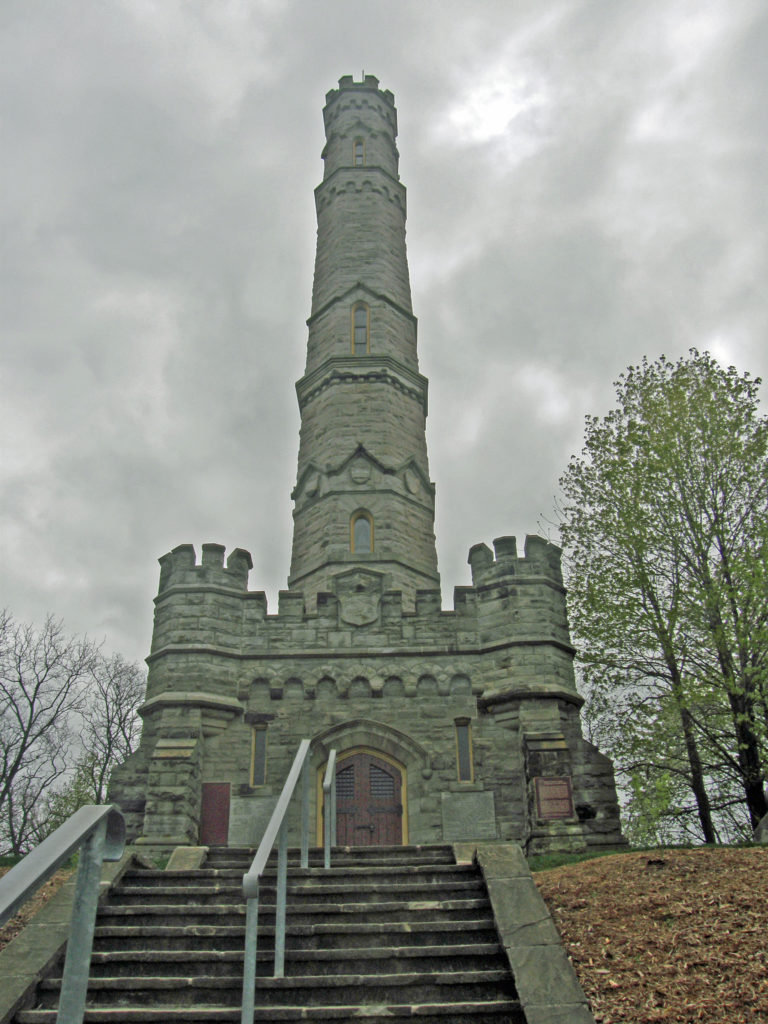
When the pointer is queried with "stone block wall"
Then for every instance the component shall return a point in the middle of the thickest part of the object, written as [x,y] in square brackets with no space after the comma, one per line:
[363,671]
[360,235]
[360,109]
[392,330]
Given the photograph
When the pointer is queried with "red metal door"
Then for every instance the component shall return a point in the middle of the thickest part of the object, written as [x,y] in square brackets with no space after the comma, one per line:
[369,810]
[214,814]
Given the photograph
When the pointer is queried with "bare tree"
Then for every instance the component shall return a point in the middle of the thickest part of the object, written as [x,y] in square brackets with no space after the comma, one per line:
[42,673]
[112,726]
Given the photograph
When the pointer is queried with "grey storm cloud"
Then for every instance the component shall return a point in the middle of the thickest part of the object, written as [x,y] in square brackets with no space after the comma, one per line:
[586,185]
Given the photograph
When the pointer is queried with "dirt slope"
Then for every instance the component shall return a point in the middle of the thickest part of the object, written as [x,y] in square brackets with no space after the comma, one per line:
[672,936]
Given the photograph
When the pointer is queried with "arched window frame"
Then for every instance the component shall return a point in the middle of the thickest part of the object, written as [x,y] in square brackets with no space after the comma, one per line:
[358,152]
[354,518]
[360,307]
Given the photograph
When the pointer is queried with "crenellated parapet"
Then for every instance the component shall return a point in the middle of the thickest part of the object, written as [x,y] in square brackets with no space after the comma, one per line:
[542,559]
[522,619]
[180,567]
[513,602]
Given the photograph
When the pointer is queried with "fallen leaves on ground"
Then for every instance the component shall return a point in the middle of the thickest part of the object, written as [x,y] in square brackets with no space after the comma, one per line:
[34,903]
[667,936]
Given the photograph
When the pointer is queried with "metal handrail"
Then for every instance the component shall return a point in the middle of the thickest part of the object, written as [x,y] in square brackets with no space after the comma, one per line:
[99,833]
[329,808]
[276,829]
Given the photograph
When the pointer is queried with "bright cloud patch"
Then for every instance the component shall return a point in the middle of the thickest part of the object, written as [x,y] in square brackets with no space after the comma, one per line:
[547,392]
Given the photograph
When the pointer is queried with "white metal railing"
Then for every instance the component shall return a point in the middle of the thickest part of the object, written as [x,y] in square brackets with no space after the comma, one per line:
[329,808]
[276,829]
[99,833]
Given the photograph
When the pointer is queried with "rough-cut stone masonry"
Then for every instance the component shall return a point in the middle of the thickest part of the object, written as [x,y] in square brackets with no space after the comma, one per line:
[462,724]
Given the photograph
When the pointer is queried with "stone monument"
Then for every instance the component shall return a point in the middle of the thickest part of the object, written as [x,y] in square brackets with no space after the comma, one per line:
[450,725]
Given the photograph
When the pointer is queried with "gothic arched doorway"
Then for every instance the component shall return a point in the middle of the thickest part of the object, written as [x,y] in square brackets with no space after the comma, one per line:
[369,799]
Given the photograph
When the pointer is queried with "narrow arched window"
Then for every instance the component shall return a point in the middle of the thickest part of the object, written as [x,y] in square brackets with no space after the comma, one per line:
[259,755]
[358,153]
[361,533]
[360,329]
[463,750]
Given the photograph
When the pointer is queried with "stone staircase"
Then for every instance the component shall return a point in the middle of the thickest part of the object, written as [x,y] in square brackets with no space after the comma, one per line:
[387,934]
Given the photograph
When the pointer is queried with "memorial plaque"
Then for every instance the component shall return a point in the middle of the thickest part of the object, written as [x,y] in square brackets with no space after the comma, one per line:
[554,798]
[468,816]
[248,819]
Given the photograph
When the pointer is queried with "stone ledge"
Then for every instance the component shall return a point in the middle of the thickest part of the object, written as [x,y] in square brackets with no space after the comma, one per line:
[544,976]
[559,1013]
[528,693]
[187,858]
[405,649]
[195,698]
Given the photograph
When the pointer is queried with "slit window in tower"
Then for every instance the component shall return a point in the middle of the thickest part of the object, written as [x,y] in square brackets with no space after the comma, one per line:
[259,756]
[361,533]
[463,750]
[360,329]
[358,153]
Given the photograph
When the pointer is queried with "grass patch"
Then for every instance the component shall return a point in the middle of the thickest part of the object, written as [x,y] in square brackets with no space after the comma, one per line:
[544,861]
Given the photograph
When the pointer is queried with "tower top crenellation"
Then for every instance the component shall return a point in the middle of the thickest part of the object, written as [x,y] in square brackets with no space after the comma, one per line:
[369,82]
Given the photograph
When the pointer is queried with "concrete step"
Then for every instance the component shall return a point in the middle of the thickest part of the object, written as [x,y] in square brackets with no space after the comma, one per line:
[307,891]
[491,1011]
[363,960]
[234,876]
[337,990]
[128,937]
[387,934]
[298,913]
[341,856]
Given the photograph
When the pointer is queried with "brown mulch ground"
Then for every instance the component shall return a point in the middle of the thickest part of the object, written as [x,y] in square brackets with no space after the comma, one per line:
[669,936]
[31,907]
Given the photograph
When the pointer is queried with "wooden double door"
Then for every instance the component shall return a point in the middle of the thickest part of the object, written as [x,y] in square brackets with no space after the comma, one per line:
[369,801]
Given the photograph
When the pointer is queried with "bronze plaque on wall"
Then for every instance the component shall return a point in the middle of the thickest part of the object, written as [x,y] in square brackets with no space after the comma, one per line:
[554,798]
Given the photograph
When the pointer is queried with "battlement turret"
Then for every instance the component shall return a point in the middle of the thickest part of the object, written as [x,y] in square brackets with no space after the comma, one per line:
[179,567]
[347,82]
[542,558]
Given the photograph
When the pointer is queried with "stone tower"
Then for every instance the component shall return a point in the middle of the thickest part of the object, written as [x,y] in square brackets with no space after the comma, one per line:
[457,724]
[363,494]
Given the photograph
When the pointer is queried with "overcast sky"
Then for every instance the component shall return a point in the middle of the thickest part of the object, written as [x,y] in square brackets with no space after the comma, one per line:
[586,184]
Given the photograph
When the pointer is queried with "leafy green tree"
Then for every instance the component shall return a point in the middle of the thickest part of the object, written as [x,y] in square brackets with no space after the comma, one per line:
[664,523]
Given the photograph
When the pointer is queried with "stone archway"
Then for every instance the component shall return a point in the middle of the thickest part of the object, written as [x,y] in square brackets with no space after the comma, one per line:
[373,796]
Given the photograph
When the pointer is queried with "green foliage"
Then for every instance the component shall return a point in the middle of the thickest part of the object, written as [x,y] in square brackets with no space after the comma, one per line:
[665,531]
[545,861]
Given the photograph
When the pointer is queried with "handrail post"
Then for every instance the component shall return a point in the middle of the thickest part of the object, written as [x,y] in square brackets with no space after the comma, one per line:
[277,828]
[305,815]
[77,963]
[282,888]
[249,966]
[326,832]
[329,808]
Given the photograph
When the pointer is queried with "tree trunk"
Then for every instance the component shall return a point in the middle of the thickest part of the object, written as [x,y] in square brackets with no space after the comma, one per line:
[697,775]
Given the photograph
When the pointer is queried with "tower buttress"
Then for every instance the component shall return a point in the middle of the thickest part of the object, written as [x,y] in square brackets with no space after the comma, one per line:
[363,496]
